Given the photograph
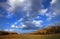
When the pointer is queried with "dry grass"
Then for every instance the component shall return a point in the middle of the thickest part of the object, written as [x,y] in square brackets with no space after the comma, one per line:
[15,36]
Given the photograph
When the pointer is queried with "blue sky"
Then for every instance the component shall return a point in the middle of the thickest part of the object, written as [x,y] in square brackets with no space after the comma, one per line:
[28,15]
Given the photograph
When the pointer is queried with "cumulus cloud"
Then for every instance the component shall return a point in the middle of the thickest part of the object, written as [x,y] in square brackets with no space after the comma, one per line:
[13,26]
[17,22]
[30,9]
[56,6]
[54,9]
[23,26]
[53,1]
[31,6]
[8,29]
[25,6]
[37,23]
[42,11]
[27,24]
[50,15]
[14,4]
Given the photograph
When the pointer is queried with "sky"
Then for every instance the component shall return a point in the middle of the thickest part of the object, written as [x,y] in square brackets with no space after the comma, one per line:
[23,16]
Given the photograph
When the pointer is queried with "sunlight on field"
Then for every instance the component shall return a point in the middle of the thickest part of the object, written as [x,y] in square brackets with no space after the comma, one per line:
[57,36]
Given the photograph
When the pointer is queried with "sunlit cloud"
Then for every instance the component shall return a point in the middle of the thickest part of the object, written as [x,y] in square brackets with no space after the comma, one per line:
[50,16]
[23,26]
[37,23]
[56,6]
[13,26]
[9,30]
[53,1]
[43,11]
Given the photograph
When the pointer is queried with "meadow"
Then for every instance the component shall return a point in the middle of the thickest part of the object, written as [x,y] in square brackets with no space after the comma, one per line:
[15,36]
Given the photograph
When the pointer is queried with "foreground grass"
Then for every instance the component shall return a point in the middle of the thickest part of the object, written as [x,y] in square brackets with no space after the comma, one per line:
[54,36]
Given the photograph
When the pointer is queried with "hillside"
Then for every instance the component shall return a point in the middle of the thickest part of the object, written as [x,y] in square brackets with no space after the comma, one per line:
[6,33]
[48,30]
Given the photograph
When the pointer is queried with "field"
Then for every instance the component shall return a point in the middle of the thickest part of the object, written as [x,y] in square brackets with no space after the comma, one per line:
[15,36]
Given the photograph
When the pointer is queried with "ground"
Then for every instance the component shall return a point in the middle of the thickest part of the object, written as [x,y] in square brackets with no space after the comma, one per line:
[15,36]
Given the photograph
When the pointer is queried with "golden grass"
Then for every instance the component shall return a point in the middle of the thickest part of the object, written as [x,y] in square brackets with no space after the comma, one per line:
[15,36]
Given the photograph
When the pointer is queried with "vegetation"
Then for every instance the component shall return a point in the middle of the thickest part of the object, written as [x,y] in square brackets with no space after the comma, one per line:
[48,30]
[15,36]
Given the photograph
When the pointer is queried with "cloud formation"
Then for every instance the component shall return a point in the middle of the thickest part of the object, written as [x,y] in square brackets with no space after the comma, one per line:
[31,6]
[55,6]
[30,10]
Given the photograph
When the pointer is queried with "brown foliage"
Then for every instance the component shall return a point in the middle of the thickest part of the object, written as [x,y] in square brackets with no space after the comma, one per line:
[6,33]
[48,30]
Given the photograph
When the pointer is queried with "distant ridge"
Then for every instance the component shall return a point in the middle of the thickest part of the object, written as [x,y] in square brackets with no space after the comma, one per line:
[48,30]
[6,33]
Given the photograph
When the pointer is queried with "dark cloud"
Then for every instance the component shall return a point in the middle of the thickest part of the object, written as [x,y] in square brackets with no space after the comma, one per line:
[33,9]
[56,6]
[29,25]
[36,6]
[3,0]
[31,28]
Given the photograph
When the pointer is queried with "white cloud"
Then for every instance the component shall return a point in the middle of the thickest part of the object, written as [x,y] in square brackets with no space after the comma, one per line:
[25,4]
[12,6]
[42,11]
[49,18]
[8,29]
[22,26]
[38,17]
[50,15]
[20,19]
[56,6]
[13,26]
[14,3]
[15,23]
[53,1]
[37,23]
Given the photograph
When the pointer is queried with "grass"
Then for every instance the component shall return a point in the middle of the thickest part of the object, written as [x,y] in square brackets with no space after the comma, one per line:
[15,36]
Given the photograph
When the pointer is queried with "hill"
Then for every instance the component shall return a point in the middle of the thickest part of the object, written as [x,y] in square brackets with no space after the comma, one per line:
[6,33]
[48,30]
